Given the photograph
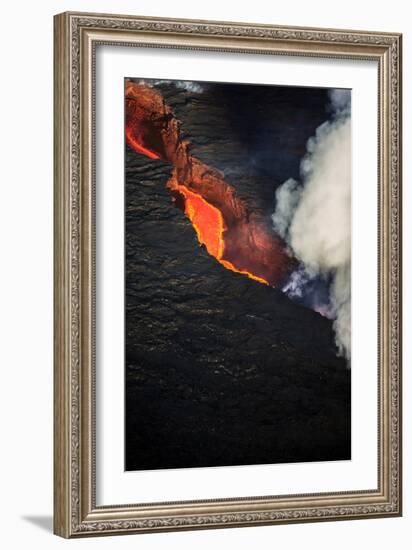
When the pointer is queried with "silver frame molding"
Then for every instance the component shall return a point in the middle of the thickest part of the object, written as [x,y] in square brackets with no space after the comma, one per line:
[75,39]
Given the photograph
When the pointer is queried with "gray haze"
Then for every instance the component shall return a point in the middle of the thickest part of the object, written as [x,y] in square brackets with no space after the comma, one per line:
[314,216]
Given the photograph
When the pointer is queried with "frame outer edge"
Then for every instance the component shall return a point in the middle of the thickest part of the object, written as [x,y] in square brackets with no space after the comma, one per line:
[400,305]
[62,200]
[397,153]
[72,514]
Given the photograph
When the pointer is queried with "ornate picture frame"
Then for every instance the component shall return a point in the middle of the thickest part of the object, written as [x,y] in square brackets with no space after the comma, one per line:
[76,511]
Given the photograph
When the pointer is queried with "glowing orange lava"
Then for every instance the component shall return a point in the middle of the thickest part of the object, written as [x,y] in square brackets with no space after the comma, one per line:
[206,220]
[208,223]
[230,266]
[239,238]
[137,146]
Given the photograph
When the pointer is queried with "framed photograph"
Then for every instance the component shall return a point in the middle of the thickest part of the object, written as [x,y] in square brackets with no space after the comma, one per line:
[227,274]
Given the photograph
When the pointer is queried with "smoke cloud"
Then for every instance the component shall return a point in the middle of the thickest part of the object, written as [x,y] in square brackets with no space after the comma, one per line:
[314,217]
[194,87]
[187,85]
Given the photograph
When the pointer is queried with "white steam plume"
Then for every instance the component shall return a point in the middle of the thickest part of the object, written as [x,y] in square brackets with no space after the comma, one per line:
[315,217]
[194,87]
[187,85]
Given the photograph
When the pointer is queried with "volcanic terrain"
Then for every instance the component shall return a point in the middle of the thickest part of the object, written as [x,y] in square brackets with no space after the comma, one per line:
[221,367]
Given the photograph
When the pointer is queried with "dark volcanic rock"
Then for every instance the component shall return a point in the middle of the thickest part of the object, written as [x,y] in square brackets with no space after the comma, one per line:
[248,242]
[220,369]
[255,135]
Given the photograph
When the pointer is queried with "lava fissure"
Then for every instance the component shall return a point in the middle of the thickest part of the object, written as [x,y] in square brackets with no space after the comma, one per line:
[239,239]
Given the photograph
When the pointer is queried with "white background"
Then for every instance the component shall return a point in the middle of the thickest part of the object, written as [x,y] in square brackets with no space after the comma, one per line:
[26,274]
[114,486]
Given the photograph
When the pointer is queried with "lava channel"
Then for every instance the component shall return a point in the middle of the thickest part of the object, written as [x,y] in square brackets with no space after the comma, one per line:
[238,238]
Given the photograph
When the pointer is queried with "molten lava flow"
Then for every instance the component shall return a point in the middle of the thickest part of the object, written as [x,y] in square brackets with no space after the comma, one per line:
[206,219]
[138,146]
[240,239]
[208,223]
[230,266]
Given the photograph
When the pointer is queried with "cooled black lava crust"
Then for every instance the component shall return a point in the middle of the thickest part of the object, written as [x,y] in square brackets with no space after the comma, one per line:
[220,369]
